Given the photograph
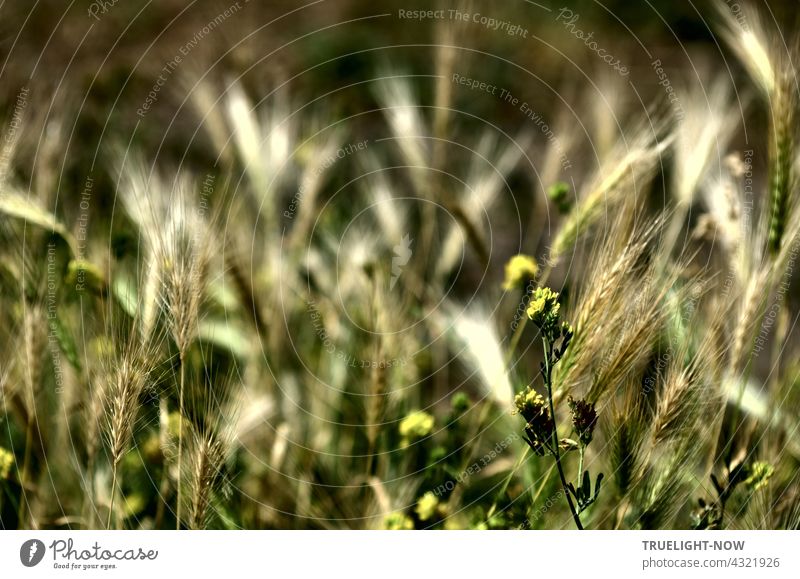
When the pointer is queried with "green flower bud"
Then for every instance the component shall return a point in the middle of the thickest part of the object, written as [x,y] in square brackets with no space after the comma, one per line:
[584,419]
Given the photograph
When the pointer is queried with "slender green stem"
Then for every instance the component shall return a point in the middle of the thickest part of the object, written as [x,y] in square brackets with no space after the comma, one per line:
[515,338]
[512,346]
[113,494]
[180,442]
[23,475]
[474,438]
[544,483]
[556,451]
[88,498]
[778,345]
[510,476]
[744,378]
[163,409]
[507,482]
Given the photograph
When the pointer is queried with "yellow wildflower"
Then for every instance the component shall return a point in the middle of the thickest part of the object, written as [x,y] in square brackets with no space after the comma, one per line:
[544,309]
[426,506]
[519,270]
[416,425]
[760,473]
[6,462]
[397,521]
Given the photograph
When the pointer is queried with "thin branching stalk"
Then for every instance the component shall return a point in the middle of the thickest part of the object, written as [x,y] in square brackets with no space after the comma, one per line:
[555,442]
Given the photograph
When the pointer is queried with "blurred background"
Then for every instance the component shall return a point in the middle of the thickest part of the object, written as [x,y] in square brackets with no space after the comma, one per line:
[541,95]
[95,63]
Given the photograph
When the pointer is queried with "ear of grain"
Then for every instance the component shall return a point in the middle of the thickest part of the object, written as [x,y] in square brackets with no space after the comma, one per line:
[665,489]
[782,151]
[628,432]
[624,174]
[617,317]
[129,373]
[208,455]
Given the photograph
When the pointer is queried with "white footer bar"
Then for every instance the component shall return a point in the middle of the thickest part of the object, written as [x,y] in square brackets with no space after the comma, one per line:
[407,555]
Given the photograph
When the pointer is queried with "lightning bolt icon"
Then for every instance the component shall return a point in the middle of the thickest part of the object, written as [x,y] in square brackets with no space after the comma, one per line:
[402,253]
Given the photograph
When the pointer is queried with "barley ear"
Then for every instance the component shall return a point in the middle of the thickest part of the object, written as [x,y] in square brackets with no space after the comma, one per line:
[781,180]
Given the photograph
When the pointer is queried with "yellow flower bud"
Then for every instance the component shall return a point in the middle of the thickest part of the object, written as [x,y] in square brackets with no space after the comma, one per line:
[6,462]
[519,270]
[426,506]
[416,425]
[397,521]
